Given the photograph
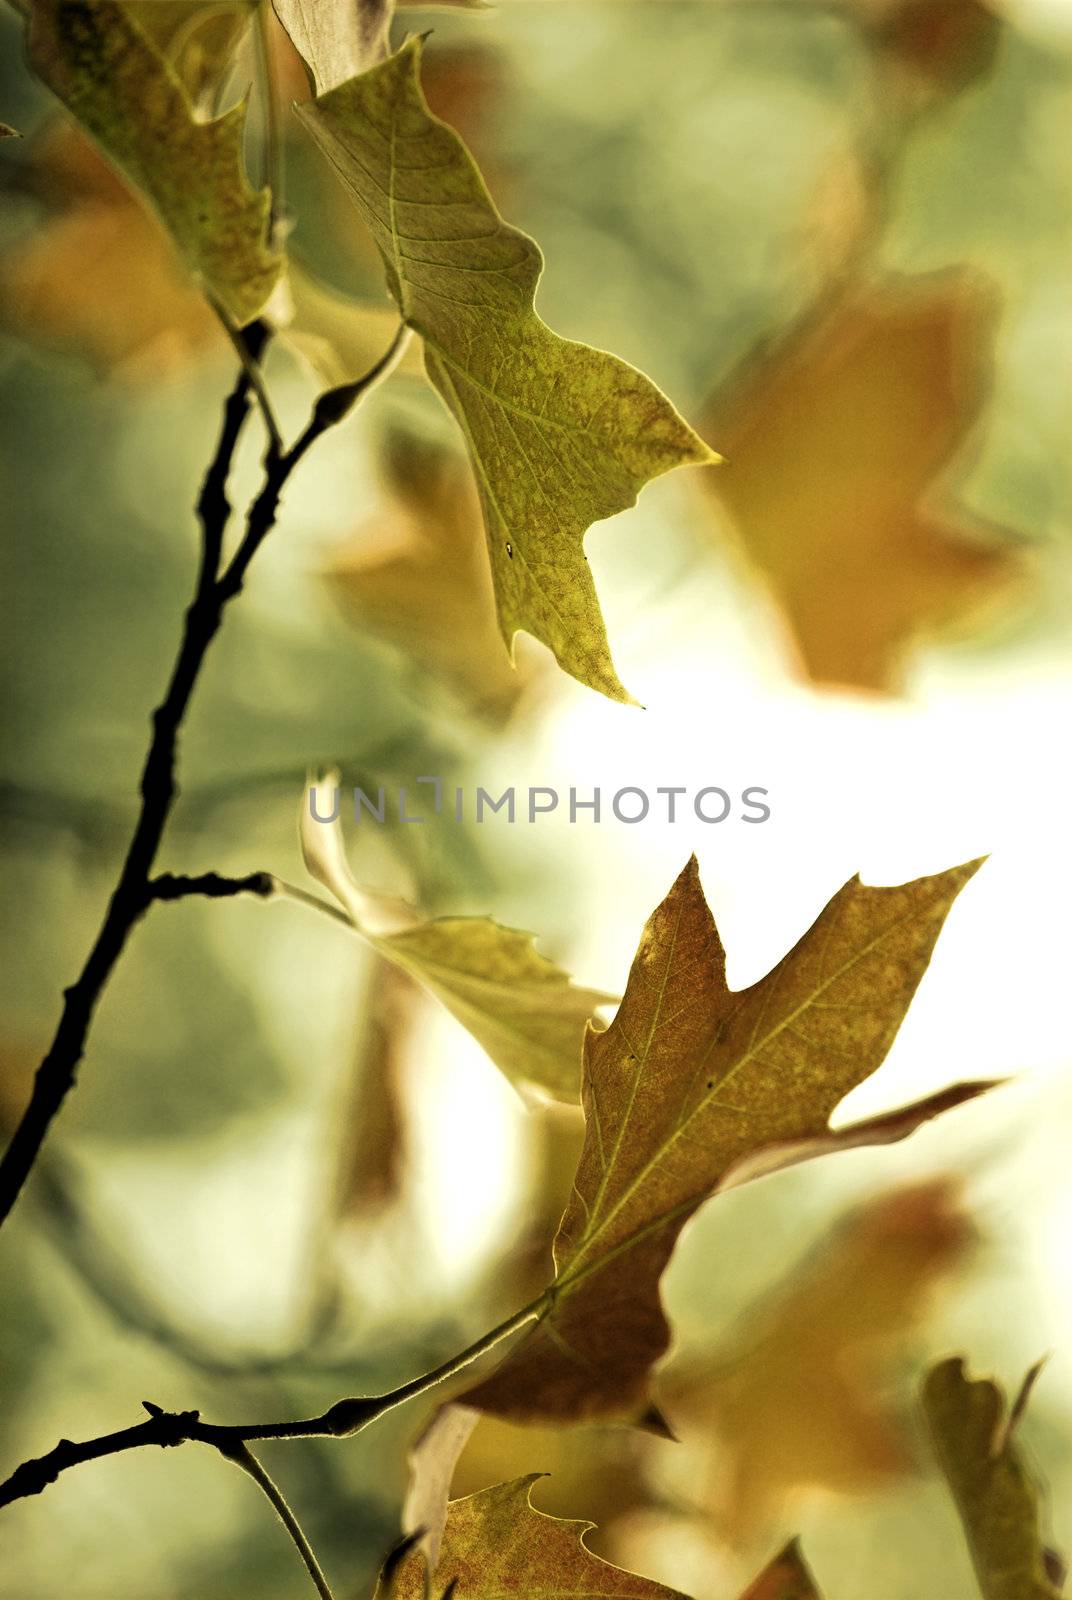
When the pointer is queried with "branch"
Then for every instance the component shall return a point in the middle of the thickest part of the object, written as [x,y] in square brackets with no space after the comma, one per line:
[210,885]
[169,1428]
[131,897]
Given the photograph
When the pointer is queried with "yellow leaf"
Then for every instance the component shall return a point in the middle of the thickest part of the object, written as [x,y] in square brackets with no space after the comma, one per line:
[804,1396]
[559,435]
[998,1500]
[835,442]
[104,68]
[523,1009]
[693,1085]
[496,1544]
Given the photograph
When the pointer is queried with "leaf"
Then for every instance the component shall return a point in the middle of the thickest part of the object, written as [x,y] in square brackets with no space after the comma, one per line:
[198,39]
[336,39]
[338,337]
[996,1495]
[787,1578]
[690,1083]
[7,132]
[99,278]
[432,1460]
[417,573]
[805,1395]
[835,441]
[95,57]
[495,1543]
[559,435]
[520,1007]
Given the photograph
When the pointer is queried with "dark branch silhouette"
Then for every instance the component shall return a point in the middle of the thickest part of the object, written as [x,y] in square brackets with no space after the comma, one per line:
[214,591]
[166,1429]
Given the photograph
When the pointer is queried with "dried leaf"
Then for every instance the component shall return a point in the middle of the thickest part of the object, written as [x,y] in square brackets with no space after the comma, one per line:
[787,1578]
[337,39]
[835,443]
[805,1395]
[587,430]
[496,1544]
[690,1081]
[997,1498]
[432,1460]
[523,1009]
[417,574]
[107,72]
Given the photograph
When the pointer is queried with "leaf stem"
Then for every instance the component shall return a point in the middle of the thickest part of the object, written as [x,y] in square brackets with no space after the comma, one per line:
[243,1457]
[166,1428]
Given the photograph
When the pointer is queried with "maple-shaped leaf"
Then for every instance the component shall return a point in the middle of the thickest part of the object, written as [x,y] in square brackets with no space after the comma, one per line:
[525,1011]
[559,435]
[109,74]
[495,1543]
[787,1578]
[804,1395]
[997,1498]
[836,440]
[693,1088]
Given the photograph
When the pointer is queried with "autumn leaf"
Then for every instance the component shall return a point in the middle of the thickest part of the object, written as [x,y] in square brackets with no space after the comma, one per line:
[495,1544]
[99,279]
[694,1087]
[559,435]
[197,38]
[337,336]
[787,1578]
[520,1007]
[105,69]
[836,440]
[417,574]
[803,1396]
[996,1495]
[337,39]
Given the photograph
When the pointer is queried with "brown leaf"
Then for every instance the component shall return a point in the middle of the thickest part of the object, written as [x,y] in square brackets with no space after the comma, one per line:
[996,1495]
[835,442]
[690,1081]
[805,1395]
[418,573]
[787,1578]
[496,1544]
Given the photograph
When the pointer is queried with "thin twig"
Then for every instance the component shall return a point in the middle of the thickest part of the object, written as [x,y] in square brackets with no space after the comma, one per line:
[243,1457]
[130,899]
[209,885]
[166,1428]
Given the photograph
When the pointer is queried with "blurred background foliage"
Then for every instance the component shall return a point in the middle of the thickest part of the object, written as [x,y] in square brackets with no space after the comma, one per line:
[838,235]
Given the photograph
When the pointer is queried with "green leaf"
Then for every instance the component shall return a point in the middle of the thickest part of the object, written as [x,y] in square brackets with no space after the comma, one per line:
[104,68]
[559,435]
[694,1088]
[495,1544]
[787,1578]
[524,1010]
[995,1494]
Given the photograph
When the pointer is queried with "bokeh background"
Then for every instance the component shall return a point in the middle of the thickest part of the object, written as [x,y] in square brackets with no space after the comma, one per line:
[838,235]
